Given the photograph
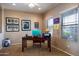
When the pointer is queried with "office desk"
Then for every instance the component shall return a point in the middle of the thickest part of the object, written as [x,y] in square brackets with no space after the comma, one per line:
[35,39]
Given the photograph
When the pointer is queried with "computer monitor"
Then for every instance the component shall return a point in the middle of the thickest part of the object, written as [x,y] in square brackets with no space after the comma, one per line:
[36,32]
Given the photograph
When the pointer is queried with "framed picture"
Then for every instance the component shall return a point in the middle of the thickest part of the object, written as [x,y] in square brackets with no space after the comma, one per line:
[56,21]
[10,20]
[15,28]
[12,24]
[12,28]
[26,25]
[36,25]
[9,28]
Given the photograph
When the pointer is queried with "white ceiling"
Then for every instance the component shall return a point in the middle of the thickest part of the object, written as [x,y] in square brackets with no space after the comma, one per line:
[24,7]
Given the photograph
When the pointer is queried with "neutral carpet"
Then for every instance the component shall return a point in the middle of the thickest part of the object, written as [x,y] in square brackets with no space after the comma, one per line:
[15,50]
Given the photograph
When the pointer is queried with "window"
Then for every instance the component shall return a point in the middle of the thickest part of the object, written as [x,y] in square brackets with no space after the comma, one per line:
[70,24]
[50,22]
[50,25]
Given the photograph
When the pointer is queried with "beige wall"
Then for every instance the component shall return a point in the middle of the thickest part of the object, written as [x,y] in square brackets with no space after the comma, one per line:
[16,37]
[70,47]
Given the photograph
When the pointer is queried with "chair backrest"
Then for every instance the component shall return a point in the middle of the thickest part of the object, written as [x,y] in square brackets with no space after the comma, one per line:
[46,35]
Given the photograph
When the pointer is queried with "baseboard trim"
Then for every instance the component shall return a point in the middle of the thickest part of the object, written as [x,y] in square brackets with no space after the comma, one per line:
[62,50]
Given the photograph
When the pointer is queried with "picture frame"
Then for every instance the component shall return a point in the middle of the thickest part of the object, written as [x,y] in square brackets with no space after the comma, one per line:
[9,28]
[11,20]
[15,28]
[26,25]
[12,24]
[36,25]
[56,20]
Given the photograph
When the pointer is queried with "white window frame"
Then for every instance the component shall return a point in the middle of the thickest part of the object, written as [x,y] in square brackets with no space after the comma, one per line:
[67,11]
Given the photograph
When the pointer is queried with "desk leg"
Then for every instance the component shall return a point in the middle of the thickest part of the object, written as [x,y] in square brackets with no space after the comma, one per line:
[22,48]
[49,45]
[23,45]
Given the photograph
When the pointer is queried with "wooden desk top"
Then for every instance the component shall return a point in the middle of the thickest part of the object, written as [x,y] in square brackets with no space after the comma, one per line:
[27,38]
[35,39]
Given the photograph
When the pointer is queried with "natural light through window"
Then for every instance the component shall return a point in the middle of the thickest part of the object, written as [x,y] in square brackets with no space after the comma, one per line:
[50,22]
[70,19]
[50,25]
[70,25]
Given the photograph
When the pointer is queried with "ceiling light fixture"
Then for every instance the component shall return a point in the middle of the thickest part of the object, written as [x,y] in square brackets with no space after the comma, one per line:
[39,8]
[13,4]
[31,5]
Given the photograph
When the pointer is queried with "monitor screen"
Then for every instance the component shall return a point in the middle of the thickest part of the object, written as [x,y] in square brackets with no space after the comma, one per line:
[36,32]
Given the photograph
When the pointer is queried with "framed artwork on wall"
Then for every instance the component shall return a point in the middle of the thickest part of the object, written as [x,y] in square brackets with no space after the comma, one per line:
[12,24]
[56,21]
[36,25]
[9,28]
[10,20]
[26,25]
[15,28]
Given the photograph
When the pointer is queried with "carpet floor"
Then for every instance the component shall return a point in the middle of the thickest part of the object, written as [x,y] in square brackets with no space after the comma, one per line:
[15,50]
